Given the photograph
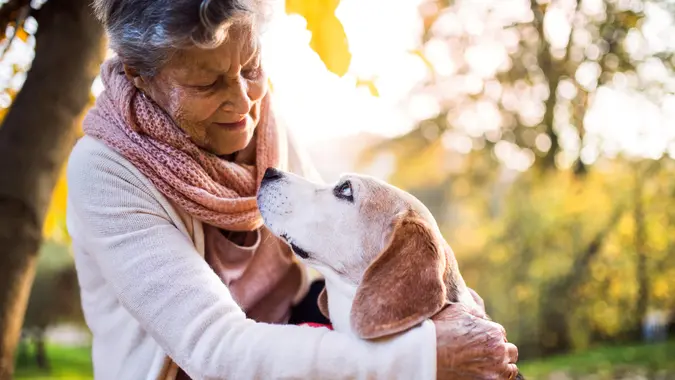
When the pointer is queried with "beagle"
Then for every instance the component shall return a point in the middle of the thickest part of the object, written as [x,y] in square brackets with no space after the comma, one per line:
[386,266]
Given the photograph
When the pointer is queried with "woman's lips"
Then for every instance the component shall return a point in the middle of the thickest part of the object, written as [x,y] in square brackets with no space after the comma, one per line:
[234,126]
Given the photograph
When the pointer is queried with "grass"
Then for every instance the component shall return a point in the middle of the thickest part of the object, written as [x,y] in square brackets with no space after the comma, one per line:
[72,363]
[609,362]
[603,363]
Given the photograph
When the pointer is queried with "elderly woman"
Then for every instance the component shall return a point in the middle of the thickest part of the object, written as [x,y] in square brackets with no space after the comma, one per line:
[179,277]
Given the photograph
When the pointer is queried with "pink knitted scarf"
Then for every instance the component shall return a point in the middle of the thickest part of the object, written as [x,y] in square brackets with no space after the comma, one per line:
[209,188]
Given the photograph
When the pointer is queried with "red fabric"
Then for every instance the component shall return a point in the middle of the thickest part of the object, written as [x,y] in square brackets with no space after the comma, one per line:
[312,324]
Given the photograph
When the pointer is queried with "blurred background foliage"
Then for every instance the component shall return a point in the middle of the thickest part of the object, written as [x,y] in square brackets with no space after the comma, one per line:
[569,239]
[568,244]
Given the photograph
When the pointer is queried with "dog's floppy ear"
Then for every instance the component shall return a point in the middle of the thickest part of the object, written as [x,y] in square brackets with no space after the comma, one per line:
[404,285]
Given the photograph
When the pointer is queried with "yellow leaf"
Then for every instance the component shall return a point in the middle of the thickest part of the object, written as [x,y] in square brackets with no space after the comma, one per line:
[418,53]
[22,35]
[369,84]
[270,85]
[329,40]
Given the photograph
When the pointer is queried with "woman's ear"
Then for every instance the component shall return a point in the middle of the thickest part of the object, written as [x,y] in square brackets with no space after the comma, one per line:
[135,77]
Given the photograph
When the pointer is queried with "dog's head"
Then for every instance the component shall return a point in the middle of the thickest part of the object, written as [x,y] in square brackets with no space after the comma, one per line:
[371,234]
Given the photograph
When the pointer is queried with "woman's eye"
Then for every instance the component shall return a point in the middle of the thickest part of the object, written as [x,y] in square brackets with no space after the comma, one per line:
[345,191]
[207,86]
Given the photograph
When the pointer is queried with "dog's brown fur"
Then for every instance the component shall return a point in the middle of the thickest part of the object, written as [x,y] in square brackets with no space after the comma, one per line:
[416,267]
[410,281]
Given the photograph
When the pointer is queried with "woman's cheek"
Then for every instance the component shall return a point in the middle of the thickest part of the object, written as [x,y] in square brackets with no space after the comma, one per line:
[258,88]
[201,109]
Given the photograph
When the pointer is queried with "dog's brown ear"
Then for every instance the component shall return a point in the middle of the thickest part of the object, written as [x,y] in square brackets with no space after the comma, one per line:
[404,285]
[323,303]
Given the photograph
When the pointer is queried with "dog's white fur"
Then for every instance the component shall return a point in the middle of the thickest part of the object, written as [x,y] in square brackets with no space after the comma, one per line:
[341,236]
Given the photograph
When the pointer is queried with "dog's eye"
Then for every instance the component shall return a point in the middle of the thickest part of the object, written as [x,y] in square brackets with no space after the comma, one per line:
[344,191]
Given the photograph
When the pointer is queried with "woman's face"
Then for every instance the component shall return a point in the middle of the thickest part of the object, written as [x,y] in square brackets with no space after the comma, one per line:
[214,95]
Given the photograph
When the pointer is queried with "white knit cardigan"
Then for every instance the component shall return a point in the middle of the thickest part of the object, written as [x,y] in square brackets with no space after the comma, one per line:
[148,294]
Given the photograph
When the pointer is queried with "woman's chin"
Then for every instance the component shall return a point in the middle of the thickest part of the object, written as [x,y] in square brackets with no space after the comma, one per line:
[230,142]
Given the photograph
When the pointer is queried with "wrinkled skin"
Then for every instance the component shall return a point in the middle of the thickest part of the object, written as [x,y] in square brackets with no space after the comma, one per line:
[469,346]
[203,88]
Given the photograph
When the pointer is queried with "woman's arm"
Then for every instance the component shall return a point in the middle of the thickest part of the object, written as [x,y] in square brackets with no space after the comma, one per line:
[163,282]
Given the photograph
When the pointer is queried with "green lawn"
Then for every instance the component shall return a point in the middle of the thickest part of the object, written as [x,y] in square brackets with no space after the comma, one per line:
[66,363]
[656,361]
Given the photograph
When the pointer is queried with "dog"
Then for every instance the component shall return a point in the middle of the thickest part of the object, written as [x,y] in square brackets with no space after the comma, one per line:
[386,266]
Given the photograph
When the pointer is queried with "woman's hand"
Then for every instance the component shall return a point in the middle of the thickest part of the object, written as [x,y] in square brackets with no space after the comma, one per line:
[469,346]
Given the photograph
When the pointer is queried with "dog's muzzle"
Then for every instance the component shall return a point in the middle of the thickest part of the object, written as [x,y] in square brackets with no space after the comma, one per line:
[271,175]
[296,249]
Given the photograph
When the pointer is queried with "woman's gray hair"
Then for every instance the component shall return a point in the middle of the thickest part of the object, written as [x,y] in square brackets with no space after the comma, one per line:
[145,33]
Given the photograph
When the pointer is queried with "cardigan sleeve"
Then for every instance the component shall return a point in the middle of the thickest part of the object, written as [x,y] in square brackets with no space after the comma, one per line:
[157,275]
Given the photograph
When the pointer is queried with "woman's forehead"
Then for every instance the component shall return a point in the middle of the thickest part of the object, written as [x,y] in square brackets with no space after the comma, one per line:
[237,50]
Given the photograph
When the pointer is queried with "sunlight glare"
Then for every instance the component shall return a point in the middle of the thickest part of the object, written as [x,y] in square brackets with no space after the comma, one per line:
[438,53]
[320,106]
[556,27]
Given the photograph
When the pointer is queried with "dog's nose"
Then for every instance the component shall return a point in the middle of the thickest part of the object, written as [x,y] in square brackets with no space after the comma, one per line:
[272,174]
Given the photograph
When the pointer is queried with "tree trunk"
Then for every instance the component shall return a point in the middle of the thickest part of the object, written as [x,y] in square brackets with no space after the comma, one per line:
[550,70]
[35,139]
[580,107]
[554,70]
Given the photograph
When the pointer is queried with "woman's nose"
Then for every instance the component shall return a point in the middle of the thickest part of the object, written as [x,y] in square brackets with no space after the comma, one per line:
[237,101]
